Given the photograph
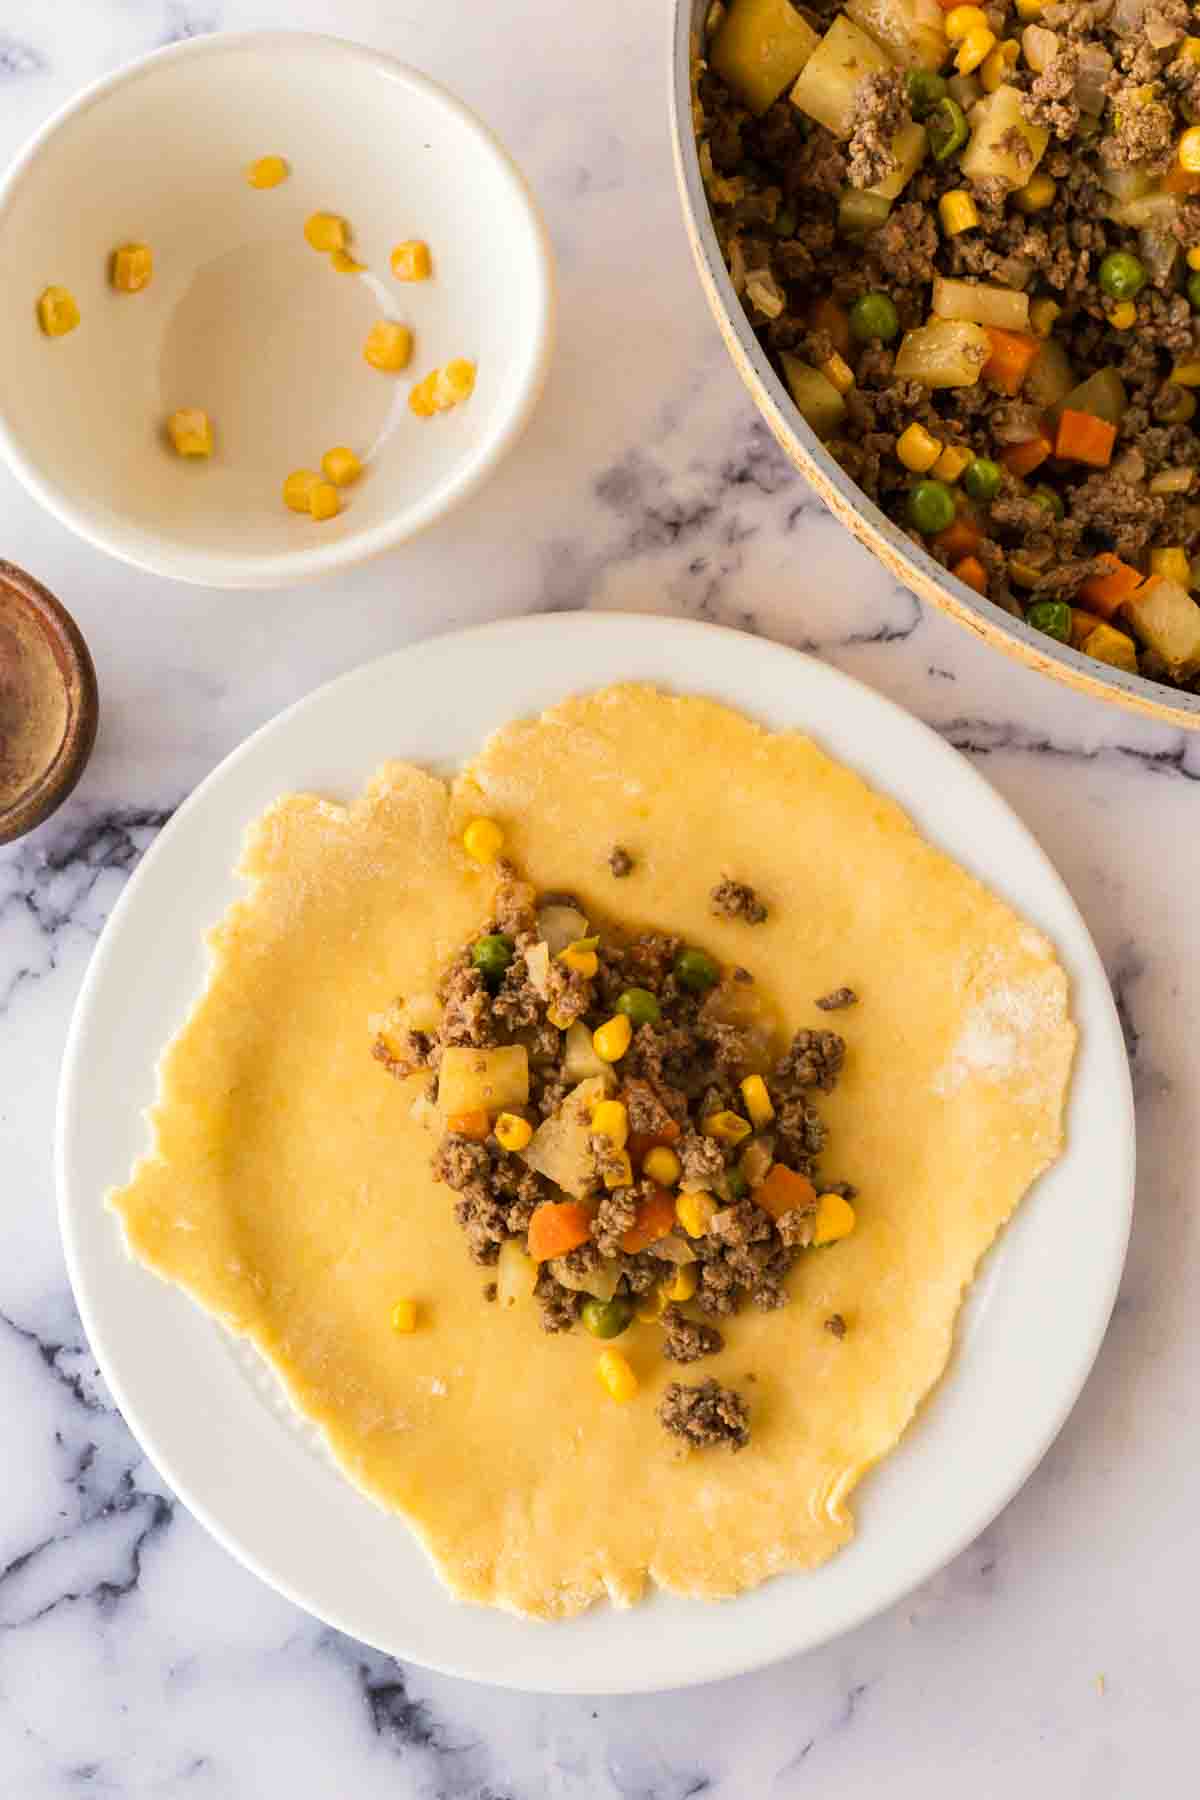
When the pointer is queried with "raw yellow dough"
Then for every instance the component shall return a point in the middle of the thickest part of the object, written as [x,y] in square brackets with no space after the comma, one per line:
[289,1193]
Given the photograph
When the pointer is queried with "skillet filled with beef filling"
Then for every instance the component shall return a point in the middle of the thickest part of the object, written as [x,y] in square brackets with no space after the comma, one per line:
[626,1145]
[969,238]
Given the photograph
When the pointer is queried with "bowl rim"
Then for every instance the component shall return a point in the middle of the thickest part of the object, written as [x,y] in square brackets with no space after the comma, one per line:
[907,561]
[156,554]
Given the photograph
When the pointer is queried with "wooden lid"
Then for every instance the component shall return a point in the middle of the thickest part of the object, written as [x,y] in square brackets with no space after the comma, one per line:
[54,699]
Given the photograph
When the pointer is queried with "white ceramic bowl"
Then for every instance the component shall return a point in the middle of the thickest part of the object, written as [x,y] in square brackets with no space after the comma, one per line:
[243,319]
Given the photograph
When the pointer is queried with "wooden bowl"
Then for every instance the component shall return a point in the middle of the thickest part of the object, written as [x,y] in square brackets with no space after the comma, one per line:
[909,563]
[67,684]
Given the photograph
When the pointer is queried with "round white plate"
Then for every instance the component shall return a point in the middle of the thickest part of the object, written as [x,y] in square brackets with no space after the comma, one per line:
[248,1472]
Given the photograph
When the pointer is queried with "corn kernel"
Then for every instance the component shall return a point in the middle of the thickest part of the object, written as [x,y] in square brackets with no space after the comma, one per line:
[1193,256]
[1123,316]
[616,1376]
[1042,314]
[651,1305]
[662,1165]
[561,1021]
[1028,10]
[613,1038]
[132,268]
[1037,194]
[834,1220]
[324,501]
[958,212]
[1188,150]
[839,373]
[58,311]
[420,398]
[757,1101]
[483,841]
[581,958]
[682,1285]
[1187,374]
[404,1315]
[1110,646]
[961,20]
[1024,574]
[513,1132]
[297,488]
[611,1120]
[1172,563]
[619,1172]
[388,346]
[341,466]
[951,463]
[454,384]
[998,65]
[917,450]
[1189,50]
[695,1212]
[974,49]
[411,261]
[191,432]
[325,231]
[727,1127]
[267,172]
[344,263]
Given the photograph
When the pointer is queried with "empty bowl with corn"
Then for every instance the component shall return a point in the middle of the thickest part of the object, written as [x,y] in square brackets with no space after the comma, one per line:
[272,303]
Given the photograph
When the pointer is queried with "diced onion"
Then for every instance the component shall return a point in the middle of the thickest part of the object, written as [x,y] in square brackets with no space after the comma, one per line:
[1127,17]
[1016,423]
[1095,67]
[672,1249]
[1160,253]
[1159,32]
[765,293]
[1039,47]
[981,303]
[1014,271]
[559,925]
[964,90]
[600,1283]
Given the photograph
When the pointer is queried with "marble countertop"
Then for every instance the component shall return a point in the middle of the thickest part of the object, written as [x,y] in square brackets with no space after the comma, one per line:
[136,1658]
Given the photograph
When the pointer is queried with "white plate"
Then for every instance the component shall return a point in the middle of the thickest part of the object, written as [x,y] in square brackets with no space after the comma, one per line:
[248,1472]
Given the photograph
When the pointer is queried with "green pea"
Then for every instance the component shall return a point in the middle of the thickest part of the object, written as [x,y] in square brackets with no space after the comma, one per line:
[1051,616]
[1053,503]
[930,507]
[491,955]
[874,316]
[639,1006]
[606,1318]
[946,128]
[981,478]
[696,971]
[1122,276]
[1193,290]
[925,91]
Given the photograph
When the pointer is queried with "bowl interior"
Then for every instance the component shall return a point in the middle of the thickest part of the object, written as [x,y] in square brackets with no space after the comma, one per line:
[243,319]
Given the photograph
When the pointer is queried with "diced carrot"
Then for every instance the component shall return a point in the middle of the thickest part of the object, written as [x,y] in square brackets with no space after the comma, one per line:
[972,571]
[834,320]
[1105,593]
[556,1227]
[474,1125]
[641,1143]
[960,538]
[1012,354]
[655,1219]
[1082,437]
[1179,180]
[1023,459]
[783,1190]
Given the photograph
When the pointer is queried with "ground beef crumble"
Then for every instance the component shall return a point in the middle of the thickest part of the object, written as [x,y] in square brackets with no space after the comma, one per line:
[837,1000]
[734,900]
[681,1069]
[620,863]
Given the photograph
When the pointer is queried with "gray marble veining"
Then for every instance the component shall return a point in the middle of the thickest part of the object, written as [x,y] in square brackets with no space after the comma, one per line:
[136,1658]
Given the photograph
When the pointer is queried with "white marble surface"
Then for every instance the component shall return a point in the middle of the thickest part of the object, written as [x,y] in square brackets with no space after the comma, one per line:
[135,1657]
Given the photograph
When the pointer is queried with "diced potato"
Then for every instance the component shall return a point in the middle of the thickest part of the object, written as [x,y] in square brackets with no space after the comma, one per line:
[980,302]
[1004,146]
[1102,394]
[828,86]
[815,395]
[1165,617]
[908,147]
[560,1150]
[760,48]
[1108,645]
[1156,212]
[516,1274]
[537,966]
[944,353]
[1051,377]
[913,32]
[580,1062]
[483,1080]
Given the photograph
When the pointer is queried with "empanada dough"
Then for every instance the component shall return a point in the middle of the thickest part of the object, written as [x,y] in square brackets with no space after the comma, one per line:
[288,1189]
